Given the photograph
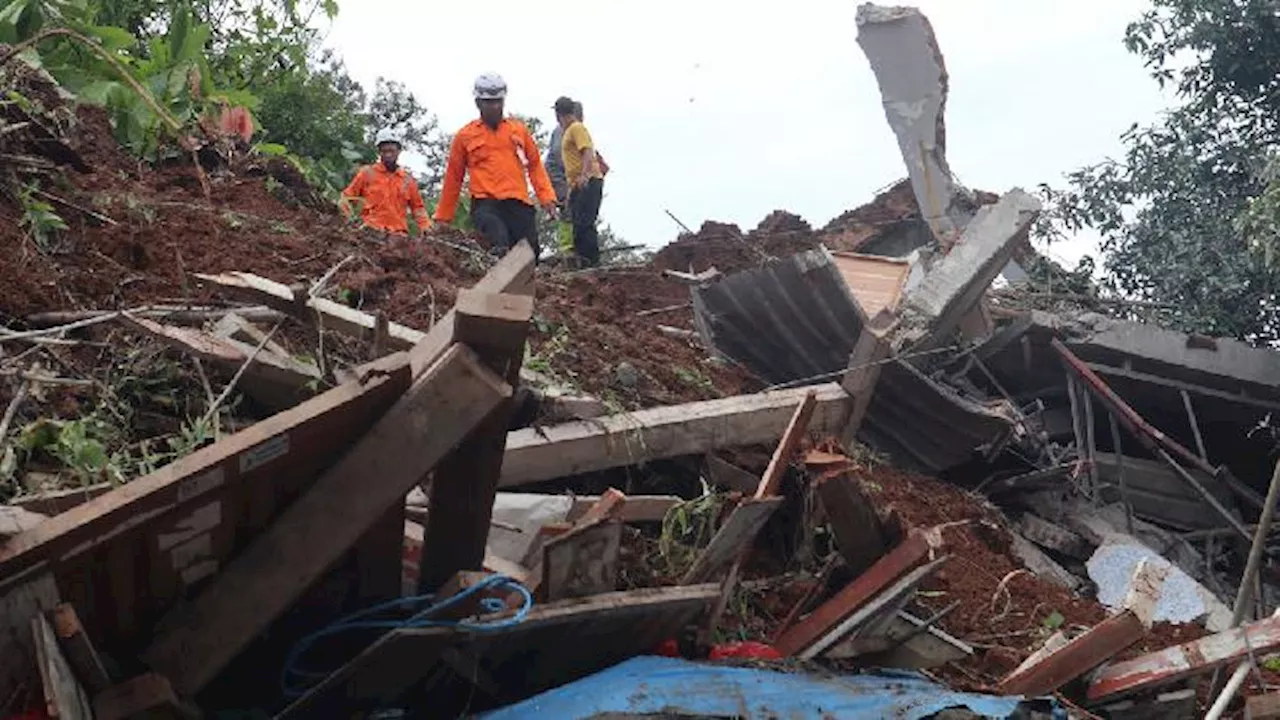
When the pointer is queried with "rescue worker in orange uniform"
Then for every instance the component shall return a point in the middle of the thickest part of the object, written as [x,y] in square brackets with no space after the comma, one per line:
[388,191]
[498,153]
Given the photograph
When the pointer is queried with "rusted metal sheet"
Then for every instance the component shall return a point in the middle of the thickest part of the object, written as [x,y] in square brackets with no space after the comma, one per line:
[1186,660]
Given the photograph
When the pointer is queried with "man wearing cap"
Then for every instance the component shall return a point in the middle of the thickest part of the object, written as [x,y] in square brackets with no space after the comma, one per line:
[497,153]
[586,181]
[386,191]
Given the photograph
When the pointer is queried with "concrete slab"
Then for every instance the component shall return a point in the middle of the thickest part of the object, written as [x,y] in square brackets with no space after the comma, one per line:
[1182,599]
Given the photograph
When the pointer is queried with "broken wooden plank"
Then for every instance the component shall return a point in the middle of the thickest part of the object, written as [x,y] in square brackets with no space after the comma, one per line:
[913,551]
[79,650]
[327,313]
[860,536]
[235,327]
[1187,660]
[582,562]
[146,696]
[889,600]
[549,452]
[1096,645]
[637,508]
[685,278]
[733,538]
[465,483]
[64,698]
[199,639]
[771,480]
[555,644]
[277,381]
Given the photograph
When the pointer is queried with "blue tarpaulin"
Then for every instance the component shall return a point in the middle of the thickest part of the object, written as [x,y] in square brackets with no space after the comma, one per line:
[672,686]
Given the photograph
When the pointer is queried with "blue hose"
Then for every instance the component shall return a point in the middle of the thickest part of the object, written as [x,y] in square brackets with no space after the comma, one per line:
[361,620]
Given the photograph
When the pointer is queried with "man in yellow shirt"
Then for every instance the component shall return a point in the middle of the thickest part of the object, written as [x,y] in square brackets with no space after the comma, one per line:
[586,181]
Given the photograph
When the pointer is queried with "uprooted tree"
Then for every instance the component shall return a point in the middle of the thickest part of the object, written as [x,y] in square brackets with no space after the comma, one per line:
[1189,214]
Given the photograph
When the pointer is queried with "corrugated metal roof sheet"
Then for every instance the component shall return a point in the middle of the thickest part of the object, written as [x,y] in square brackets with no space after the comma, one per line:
[797,319]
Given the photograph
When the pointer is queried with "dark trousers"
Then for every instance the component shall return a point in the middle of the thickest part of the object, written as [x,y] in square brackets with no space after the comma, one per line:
[584,204]
[504,223]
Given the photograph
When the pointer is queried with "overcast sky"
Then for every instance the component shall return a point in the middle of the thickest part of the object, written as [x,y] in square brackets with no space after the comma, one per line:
[727,111]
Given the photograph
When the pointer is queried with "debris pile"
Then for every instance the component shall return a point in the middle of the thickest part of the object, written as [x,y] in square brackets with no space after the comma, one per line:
[258,460]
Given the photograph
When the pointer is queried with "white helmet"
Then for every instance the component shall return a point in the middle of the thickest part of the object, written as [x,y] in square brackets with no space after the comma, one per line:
[490,86]
[386,135]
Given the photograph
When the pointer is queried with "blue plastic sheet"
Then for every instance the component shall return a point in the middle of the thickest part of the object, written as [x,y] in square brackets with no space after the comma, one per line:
[669,685]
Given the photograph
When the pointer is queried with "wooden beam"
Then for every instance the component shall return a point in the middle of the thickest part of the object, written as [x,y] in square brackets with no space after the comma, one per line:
[64,698]
[771,480]
[535,454]
[301,436]
[80,652]
[889,600]
[1185,661]
[327,313]
[464,485]
[637,508]
[199,639]
[910,554]
[277,381]
[733,538]
[861,538]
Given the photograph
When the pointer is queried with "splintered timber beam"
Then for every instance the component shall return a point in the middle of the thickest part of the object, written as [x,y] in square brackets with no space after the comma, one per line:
[513,274]
[450,399]
[333,315]
[535,454]
[464,484]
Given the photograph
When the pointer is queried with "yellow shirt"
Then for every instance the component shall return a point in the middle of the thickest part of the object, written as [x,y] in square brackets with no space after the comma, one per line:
[576,139]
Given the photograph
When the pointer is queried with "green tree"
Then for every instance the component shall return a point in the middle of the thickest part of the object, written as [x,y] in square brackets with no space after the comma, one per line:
[1168,208]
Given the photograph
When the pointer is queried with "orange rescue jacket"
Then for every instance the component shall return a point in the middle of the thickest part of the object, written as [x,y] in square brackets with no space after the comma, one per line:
[386,195]
[498,162]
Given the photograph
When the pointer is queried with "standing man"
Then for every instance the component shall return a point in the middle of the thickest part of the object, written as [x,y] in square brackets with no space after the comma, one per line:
[554,161]
[498,153]
[586,181]
[386,191]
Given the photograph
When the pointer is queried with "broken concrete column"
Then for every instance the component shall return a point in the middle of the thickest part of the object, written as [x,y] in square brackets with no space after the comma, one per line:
[904,54]
[907,61]
[935,307]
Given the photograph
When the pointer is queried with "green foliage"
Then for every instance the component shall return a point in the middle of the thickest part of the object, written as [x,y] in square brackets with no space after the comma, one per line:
[1168,209]
[39,220]
[79,446]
